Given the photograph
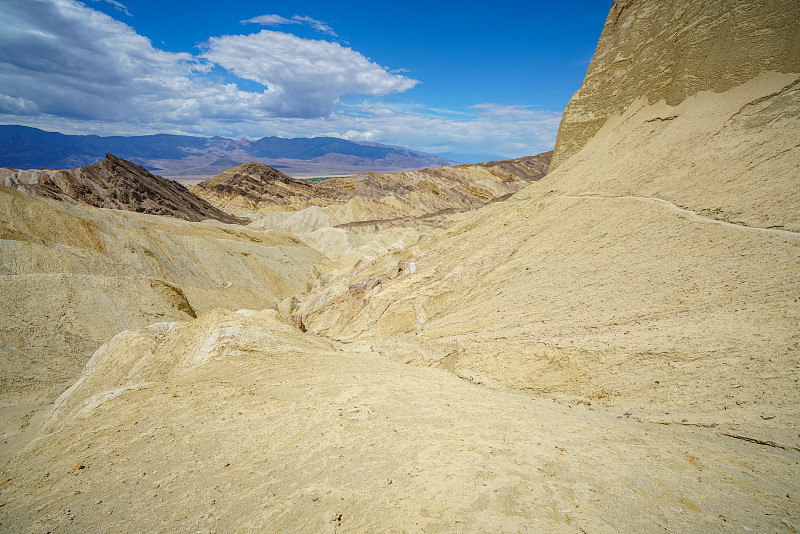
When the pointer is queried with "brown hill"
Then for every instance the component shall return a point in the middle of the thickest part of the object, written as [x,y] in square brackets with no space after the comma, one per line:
[460,186]
[250,186]
[115,183]
[253,188]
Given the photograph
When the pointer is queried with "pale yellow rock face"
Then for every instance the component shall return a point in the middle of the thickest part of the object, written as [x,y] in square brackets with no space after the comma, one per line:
[670,50]
[619,270]
[238,422]
[74,276]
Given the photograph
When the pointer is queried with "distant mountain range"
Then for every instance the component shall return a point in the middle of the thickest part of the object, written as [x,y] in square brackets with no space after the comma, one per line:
[22,147]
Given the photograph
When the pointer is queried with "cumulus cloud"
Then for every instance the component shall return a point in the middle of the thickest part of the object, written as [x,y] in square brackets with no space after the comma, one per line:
[66,67]
[276,20]
[305,77]
[64,59]
[60,58]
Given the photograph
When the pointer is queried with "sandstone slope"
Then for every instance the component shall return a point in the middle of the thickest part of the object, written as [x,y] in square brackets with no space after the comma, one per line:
[655,268]
[240,422]
[116,184]
[73,276]
[358,218]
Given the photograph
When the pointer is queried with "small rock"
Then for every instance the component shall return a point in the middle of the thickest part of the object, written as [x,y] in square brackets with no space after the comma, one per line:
[406,267]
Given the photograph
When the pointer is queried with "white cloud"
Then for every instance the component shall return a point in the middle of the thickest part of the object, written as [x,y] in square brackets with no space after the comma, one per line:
[316,24]
[305,77]
[66,67]
[493,129]
[276,20]
[68,60]
[119,5]
[270,20]
[500,110]
[64,59]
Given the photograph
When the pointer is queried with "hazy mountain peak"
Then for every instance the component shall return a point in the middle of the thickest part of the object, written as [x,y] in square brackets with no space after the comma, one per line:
[200,157]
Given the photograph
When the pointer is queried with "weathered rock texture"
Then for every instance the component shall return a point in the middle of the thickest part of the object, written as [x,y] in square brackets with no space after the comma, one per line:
[72,276]
[253,185]
[116,184]
[649,255]
[238,422]
[358,218]
[672,50]
[252,189]
[428,191]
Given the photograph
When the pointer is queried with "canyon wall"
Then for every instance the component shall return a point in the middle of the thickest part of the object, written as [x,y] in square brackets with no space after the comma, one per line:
[671,50]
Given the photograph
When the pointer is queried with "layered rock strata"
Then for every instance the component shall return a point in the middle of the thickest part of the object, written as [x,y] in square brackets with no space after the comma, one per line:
[669,51]
[115,184]
[255,190]
[72,276]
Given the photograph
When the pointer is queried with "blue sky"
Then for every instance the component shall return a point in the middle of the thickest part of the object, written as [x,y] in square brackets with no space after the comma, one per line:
[485,79]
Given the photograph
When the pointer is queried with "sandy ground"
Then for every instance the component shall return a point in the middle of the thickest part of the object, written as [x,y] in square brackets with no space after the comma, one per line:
[289,432]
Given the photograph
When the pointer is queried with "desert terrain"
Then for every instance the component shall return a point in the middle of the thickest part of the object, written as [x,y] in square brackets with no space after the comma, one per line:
[612,347]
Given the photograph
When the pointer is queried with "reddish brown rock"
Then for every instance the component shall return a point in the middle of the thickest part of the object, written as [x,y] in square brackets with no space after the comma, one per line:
[115,183]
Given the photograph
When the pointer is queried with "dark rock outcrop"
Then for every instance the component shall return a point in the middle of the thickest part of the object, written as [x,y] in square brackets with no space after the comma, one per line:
[115,183]
[253,184]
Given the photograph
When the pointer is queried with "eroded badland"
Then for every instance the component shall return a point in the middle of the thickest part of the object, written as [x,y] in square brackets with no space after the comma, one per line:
[614,347]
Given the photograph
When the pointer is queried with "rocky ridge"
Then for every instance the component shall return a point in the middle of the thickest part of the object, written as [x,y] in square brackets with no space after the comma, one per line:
[252,186]
[254,190]
[428,191]
[115,184]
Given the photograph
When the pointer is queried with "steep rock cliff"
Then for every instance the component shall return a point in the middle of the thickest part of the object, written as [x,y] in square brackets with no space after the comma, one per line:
[671,50]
